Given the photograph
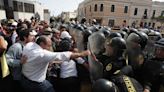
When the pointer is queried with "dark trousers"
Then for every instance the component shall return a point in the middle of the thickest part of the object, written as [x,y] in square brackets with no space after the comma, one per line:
[55,82]
[31,86]
[70,84]
[6,84]
[17,86]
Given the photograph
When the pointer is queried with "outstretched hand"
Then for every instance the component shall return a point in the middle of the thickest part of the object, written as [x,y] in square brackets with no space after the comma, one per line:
[86,53]
[23,59]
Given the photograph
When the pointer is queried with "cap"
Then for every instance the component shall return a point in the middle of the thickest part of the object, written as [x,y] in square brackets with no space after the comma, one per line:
[65,34]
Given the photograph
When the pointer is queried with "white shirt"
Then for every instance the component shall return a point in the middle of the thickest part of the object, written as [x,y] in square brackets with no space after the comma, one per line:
[35,68]
[68,68]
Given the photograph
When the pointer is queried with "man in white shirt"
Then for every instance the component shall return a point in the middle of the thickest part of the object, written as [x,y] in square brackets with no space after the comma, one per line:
[38,58]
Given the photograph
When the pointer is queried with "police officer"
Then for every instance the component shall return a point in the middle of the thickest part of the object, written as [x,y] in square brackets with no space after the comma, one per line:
[113,60]
[153,36]
[153,70]
[115,66]
[135,57]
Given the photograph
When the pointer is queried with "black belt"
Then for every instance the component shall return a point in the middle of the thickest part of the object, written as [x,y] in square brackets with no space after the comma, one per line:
[24,77]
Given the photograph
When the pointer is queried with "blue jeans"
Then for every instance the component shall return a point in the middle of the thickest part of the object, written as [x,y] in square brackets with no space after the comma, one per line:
[32,86]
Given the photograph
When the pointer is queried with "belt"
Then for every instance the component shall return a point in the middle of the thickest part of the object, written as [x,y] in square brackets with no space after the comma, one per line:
[24,77]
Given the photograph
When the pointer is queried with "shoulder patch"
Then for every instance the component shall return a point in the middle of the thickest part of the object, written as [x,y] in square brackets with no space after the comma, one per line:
[109,67]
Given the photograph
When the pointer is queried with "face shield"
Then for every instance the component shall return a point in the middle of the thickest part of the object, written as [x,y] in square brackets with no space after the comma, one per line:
[133,41]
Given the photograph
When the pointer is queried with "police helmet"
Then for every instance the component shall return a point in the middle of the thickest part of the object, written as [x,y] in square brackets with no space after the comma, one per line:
[106,31]
[145,30]
[103,85]
[155,36]
[94,28]
[79,27]
[125,29]
[143,40]
[123,34]
[114,34]
[133,30]
[160,43]
[117,42]
[139,38]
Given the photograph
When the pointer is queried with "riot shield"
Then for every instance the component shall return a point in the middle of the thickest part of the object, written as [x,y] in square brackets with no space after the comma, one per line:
[152,38]
[77,35]
[95,45]
[134,51]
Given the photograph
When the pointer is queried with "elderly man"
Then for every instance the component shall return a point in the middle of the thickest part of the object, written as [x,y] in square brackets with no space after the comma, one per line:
[35,69]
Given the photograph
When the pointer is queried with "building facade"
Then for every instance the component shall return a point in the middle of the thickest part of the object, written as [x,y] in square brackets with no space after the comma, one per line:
[21,9]
[2,10]
[68,15]
[121,12]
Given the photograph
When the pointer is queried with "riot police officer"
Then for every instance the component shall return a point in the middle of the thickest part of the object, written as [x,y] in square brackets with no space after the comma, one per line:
[135,57]
[115,67]
[153,70]
[113,60]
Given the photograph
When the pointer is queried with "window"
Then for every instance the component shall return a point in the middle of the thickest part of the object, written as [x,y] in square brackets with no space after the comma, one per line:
[112,8]
[162,13]
[85,11]
[29,7]
[135,11]
[153,13]
[149,24]
[18,6]
[90,8]
[126,9]
[46,11]
[101,7]
[95,7]
[145,14]
[111,23]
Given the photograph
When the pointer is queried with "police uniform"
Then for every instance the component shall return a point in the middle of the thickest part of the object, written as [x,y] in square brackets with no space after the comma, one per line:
[113,72]
[111,65]
[153,74]
[153,70]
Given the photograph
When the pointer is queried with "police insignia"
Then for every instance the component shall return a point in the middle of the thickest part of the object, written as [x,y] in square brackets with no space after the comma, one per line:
[109,67]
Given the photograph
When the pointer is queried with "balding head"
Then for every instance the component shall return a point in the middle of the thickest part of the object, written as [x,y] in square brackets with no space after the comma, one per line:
[44,42]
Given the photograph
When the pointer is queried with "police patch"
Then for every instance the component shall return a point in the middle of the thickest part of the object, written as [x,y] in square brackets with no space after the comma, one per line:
[109,67]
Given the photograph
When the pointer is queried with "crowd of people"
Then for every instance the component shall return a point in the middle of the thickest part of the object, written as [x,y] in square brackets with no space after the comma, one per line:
[58,56]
